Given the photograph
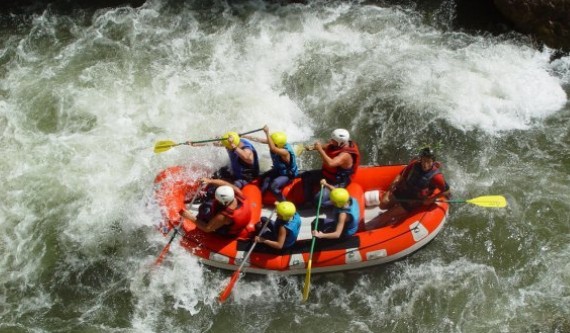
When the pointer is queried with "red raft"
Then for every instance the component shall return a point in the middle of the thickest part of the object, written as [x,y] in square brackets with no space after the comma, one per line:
[380,238]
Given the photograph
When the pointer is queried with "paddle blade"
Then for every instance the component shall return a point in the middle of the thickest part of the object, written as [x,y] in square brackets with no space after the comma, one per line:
[162,254]
[307,286]
[226,292]
[299,149]
[493,201]
[162,146]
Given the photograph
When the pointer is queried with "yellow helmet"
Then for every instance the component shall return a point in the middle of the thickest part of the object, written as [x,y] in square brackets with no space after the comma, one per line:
[279,139]
[339,197]
[235,139]
[286,210]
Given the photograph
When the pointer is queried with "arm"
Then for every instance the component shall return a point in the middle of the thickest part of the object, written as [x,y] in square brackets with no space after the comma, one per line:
[400,177]
[444,191]
[214,224]
[274,244]
[253,138]
[337,232]
[343,160]
[395,183]
[218,221]
[282,152]
[327,185]
[313,147]
[245,154]
[260,140]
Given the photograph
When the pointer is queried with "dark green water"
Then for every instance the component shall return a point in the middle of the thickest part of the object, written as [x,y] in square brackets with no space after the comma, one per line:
[85,94]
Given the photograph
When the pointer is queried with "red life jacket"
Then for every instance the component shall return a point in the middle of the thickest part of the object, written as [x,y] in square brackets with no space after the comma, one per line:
[341,175]
[240,217]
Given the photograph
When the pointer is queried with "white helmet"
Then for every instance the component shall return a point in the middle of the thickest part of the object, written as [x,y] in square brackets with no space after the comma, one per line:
[340,135]
[225,194]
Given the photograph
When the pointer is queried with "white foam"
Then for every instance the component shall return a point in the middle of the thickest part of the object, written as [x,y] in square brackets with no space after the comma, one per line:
[179,279]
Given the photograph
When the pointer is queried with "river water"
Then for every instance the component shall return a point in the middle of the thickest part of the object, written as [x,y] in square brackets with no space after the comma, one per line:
[86,93]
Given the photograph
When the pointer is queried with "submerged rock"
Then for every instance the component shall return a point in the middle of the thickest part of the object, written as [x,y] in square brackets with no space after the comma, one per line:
[547,20]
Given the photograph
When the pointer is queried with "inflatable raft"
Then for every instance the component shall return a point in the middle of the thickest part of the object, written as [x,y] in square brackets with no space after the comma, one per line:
[380,238]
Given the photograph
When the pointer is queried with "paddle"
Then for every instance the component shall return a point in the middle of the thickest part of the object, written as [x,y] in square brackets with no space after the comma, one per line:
[309,264]
[235,277]
[165,145]
[176,230]
[491,201]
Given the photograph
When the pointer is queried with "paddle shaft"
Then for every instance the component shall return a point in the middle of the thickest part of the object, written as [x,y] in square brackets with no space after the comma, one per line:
[163,146]
[218,139]
[255,243]
[437,200]
[492,201]
[235,277]
[313,241]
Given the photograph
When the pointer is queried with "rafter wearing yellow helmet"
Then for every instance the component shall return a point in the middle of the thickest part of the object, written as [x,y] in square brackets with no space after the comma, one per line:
[244,161]
[283,232]
[346,215]
[284,168]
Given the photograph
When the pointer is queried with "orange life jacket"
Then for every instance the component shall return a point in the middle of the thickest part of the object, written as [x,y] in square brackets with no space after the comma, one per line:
[339,175]
[240,216]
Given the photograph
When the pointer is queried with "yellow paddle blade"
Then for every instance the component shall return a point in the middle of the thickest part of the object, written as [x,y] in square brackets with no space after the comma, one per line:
[307,286]
[299,149]
[493,201]
[162,146]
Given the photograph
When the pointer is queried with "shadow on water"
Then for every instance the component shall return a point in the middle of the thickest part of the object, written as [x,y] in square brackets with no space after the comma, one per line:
[35,6]
[462,14]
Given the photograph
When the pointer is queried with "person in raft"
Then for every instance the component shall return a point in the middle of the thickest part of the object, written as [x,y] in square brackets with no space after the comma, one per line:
[346,215]
[244,163]
[281,233]
[225,215]
[341,159]
[284,168]
[420,183]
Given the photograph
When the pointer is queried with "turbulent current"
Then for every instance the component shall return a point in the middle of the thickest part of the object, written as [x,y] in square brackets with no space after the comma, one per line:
[85,94]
